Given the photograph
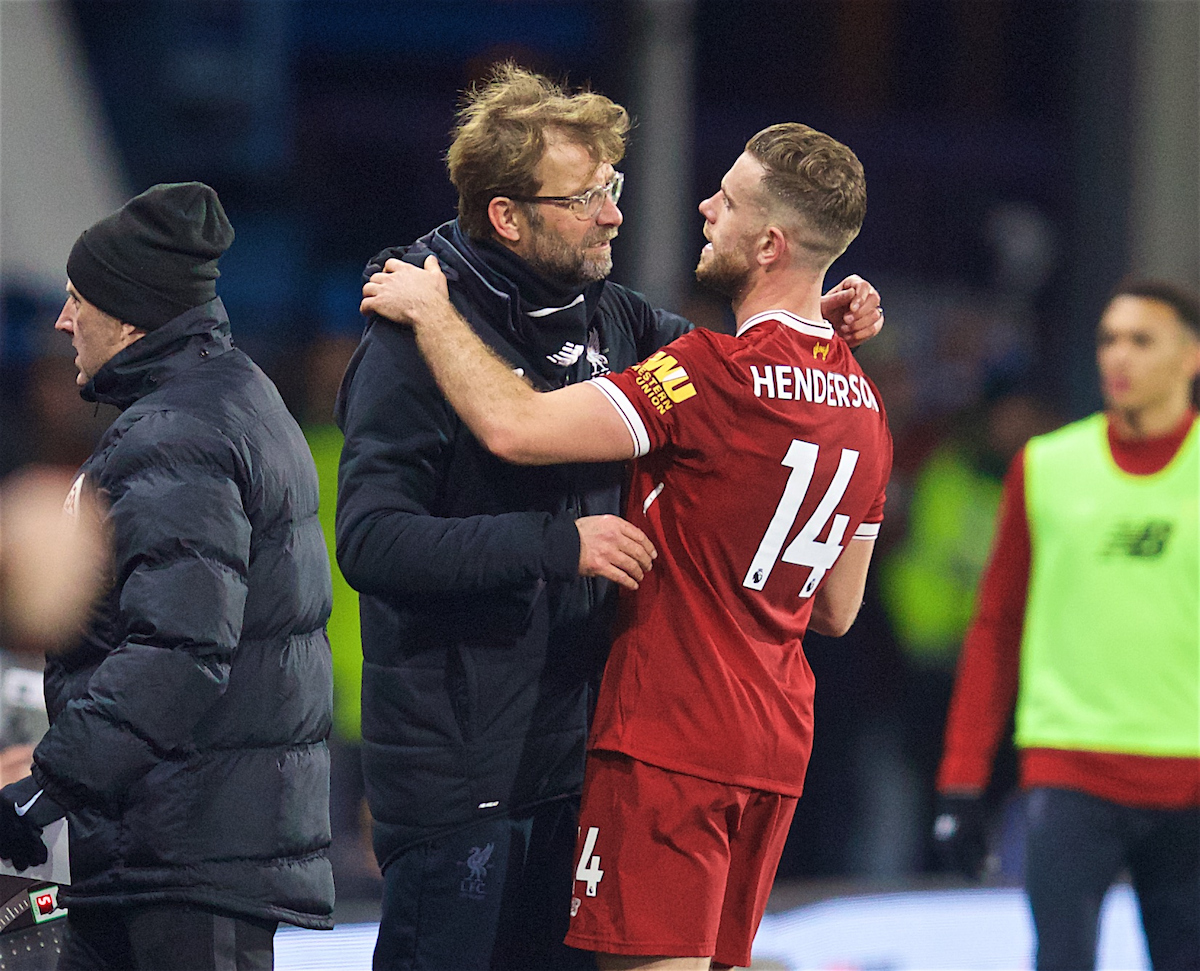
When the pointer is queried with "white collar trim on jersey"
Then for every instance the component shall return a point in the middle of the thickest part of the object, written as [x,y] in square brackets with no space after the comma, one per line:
[810,327]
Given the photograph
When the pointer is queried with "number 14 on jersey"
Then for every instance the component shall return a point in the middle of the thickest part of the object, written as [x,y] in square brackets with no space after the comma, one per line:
[805,549]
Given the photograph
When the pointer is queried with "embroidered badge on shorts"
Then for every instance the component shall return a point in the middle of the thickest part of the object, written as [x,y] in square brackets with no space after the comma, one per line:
[473,885]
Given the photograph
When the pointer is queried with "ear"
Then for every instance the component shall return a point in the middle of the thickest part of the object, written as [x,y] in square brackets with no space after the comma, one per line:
[504,215]
[772,246]
[130,333]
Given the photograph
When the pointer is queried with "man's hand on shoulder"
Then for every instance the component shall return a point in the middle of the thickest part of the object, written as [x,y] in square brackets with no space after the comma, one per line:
[407,294]
[613,548]
[853,308]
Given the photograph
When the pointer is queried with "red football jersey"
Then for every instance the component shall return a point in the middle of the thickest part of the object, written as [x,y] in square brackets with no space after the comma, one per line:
[759,457]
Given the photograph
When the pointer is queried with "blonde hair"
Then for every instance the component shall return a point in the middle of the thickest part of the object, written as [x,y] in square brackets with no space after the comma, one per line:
[816,178]
[501,136]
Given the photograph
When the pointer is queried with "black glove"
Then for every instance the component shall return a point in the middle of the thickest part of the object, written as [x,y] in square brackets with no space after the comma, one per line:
[25,810]
[959,833]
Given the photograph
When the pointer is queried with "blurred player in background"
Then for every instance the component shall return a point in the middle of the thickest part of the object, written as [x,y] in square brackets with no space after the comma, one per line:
[1089,619]
[760,466]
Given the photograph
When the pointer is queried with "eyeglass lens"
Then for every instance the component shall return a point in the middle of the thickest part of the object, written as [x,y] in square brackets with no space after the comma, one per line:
[593,199]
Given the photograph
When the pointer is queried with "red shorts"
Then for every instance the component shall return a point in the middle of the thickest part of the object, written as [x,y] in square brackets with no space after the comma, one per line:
[669,865]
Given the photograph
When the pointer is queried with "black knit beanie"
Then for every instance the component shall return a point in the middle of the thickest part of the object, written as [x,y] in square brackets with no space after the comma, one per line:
[155,257]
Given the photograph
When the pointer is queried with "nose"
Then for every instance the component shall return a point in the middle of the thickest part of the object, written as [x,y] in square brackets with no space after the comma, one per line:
[66,318]
[610,214]
[706,208]
[1113,361]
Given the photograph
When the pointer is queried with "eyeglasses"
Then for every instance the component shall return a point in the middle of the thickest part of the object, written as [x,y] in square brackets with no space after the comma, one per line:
[586,204]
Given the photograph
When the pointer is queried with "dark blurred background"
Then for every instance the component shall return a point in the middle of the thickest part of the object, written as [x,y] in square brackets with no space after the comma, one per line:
[1021,156]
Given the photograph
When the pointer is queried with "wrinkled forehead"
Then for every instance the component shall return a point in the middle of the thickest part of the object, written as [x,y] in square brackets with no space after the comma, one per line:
[569,166]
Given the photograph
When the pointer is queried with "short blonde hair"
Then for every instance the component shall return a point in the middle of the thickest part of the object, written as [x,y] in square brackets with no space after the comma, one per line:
[817,178]
[501,136]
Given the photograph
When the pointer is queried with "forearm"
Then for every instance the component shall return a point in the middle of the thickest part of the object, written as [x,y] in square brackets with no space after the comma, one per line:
[512,420]
[496,404]
[840,596]
[388,553]
[983,697]
[412,487]
[142,704]
[988,670]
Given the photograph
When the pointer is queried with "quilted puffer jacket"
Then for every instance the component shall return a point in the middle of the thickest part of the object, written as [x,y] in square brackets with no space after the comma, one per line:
[188,727]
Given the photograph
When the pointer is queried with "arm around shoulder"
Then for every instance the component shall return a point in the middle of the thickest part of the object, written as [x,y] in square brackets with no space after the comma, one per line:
[571,424]
[399,534]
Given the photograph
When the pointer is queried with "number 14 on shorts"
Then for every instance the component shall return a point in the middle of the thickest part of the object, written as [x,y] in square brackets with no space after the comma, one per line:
[588,868]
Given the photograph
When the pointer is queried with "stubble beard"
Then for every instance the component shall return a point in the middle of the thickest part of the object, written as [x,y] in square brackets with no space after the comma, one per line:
[723,273]
[563,263]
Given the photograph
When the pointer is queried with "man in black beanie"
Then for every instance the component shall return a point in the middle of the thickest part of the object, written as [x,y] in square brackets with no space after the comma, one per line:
[188,723]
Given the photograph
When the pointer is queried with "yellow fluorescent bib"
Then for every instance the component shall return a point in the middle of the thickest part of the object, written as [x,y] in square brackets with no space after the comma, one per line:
[1110,656]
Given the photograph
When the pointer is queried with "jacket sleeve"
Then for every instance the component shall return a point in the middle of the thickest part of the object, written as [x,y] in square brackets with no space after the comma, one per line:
[181,553]
[659,328]
[986,685]
[399,440]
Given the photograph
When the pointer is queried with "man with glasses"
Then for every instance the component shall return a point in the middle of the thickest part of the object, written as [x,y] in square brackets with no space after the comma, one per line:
[488,588]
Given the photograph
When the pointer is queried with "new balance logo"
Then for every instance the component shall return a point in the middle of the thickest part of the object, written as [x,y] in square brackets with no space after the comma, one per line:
[1146,540]
[567,355]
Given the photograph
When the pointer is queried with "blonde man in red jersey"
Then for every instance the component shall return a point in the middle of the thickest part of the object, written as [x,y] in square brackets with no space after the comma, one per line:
[759,473]
[1108,736]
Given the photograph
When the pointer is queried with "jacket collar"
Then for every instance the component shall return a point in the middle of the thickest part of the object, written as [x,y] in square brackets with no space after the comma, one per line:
[554,340]
[196,336]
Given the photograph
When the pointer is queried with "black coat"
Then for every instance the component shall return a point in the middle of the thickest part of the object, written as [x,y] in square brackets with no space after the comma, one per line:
[188,728]
[480,639]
